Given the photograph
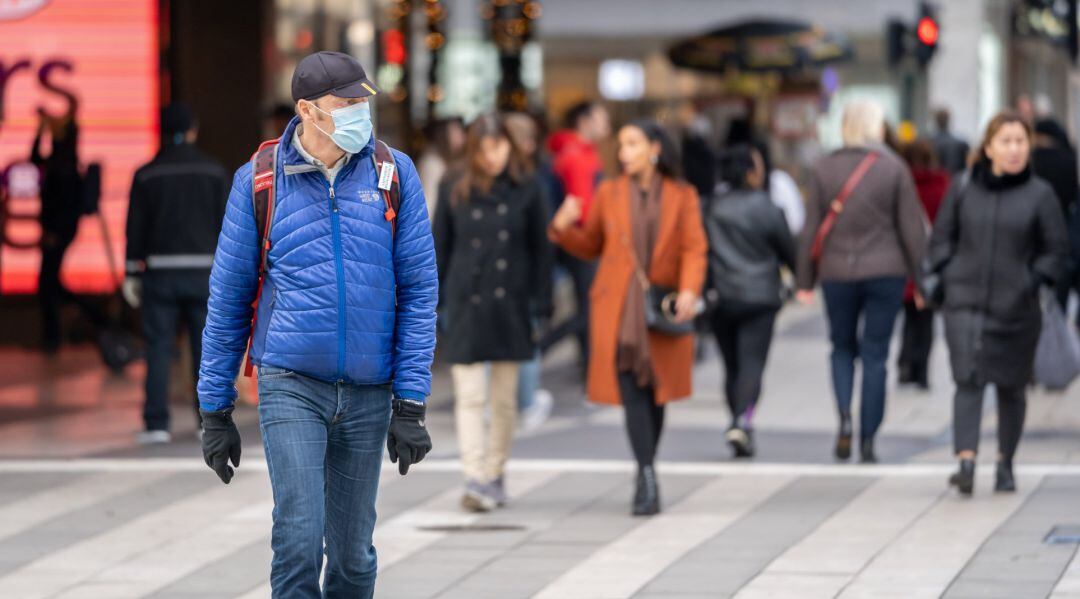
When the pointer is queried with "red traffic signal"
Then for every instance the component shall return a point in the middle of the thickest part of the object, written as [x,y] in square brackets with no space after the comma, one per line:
[927,31]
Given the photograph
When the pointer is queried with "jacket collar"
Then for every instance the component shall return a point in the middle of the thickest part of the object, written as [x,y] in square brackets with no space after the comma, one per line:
[293,161]
[983,173]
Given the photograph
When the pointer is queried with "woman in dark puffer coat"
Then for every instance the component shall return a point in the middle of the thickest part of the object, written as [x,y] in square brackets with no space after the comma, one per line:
[999,237]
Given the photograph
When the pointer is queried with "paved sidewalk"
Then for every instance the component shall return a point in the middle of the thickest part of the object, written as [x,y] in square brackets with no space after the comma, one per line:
[114,520]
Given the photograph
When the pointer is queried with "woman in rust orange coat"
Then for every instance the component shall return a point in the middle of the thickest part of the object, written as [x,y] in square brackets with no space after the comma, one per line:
[645,224]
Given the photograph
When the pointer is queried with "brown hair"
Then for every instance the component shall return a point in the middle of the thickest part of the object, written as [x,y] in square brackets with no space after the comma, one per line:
[919,154]
[474,177]
[1005,117]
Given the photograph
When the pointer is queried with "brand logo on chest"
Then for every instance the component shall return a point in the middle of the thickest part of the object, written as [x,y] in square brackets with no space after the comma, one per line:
[368,196]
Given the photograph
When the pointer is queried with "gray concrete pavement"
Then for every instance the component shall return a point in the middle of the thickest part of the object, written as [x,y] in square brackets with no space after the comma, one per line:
[85,512]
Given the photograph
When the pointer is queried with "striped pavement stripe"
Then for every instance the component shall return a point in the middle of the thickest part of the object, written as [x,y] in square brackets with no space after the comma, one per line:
[1015,562]
[81,492]
[155,568]
[907,470]
[245,572]
[1069,585]
[728,561]
[624,566]
[66,569]
[181,534]
[928,555]
[823,562]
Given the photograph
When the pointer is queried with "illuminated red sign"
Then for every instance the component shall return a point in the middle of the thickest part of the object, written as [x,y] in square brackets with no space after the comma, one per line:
[102,57]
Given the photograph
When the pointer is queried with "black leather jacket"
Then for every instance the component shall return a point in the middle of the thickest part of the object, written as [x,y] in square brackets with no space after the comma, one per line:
[748,242]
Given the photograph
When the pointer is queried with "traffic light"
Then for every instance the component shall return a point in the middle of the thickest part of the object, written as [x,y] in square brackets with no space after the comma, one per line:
[927,32]
[895,41]
[921,40]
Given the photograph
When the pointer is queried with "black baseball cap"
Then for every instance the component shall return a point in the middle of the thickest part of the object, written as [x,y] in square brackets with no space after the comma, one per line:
[334,73]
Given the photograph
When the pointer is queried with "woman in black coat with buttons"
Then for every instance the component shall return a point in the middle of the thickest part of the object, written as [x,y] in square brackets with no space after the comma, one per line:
[999,237]
[494,284]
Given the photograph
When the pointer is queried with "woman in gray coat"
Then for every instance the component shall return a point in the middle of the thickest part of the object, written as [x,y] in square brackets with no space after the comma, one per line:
[999,237]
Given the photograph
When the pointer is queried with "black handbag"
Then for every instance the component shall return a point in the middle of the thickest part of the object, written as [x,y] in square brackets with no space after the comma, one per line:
[660,312]
[659,304]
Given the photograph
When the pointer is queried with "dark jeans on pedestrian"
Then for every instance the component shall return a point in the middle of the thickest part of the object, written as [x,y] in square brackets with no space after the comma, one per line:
[52,294]
[582,273]
[874,302]
[967,418]
[324,446]
[914,362]
[744,333]
[644,418]
[170,297]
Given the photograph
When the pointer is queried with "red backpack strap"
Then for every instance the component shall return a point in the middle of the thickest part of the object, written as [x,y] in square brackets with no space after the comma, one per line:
[391,188]
[263,184]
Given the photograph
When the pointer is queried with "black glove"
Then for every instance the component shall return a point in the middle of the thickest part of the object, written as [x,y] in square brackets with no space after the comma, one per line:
[220,442]
[408,441]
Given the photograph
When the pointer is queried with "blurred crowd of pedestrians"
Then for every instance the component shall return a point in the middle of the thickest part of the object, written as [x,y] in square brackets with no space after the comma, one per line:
[693,235]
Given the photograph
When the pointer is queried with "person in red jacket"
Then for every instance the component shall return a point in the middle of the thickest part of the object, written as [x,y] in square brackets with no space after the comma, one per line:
[578,167]
[931,182]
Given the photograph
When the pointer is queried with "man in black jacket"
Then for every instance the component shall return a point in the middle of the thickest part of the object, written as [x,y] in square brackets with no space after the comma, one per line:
[1053,160]
[174,217]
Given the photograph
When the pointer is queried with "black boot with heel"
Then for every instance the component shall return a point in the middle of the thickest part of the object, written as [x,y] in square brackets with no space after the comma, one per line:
[843,438]
[964,478]
[1004,482]
[647,493]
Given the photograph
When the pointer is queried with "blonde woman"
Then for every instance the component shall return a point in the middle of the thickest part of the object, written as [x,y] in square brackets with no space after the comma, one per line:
[864,235]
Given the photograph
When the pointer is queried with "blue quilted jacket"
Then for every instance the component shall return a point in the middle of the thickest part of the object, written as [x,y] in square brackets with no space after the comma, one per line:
[344,299]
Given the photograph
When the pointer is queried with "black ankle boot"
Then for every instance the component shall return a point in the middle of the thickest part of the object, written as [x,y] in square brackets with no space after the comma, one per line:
[964,478]
[647,495]
[866,452]
[1004,482]
[843,438]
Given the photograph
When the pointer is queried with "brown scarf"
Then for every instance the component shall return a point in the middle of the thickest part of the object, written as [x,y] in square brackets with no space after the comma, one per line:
[633,351]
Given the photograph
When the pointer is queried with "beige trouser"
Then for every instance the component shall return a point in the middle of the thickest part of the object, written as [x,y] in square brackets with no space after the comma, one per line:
[483,457]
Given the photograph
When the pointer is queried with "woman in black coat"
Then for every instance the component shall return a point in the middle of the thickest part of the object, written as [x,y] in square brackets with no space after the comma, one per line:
[749,240]
[999,237]
[494,282]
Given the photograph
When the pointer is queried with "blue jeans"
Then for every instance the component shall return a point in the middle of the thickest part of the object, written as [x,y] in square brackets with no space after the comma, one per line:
[324,447]
[876,302]
[528,382]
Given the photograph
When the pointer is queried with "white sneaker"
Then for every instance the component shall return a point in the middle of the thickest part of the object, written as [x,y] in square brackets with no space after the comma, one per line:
[537,414]
[155,437]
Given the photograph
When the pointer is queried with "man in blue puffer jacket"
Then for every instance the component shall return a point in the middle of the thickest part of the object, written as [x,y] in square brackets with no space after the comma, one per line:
[344,334]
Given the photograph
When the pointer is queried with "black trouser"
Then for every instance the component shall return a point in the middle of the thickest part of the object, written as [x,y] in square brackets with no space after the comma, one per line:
[52,294]
[582,273]
[170,296]
[644,418]
[918,338]
[744,334]
[967,418]
[50,290]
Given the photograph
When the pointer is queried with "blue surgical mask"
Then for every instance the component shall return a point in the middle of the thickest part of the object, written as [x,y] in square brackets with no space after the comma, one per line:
[352,126]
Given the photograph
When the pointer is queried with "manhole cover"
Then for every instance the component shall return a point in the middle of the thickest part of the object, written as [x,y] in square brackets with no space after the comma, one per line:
[472,528]
[1063,534]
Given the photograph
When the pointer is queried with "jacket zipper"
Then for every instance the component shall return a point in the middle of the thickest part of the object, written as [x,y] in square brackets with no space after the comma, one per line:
[339,266]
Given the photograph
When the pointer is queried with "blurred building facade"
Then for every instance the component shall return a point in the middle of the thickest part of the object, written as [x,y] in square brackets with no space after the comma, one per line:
[232,61]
